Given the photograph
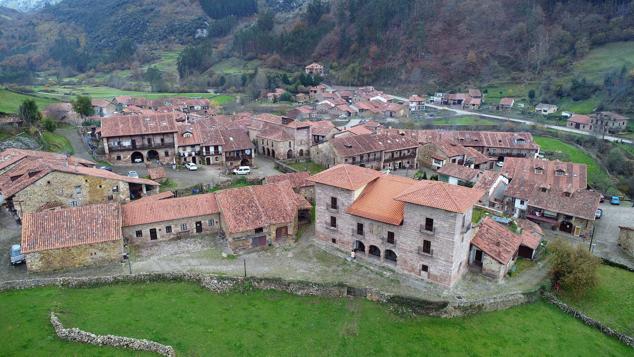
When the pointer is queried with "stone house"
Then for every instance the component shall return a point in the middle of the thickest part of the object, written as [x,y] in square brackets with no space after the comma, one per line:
[569,212]
[455,174]
[506,103]
[322,131]
[608,122]
[257,216]
[416,103]
[74,237]
[299,181]
[494,249]
[419,228]
[314,69]
[494,185]
[545,109]
[104,107]
[580,122]
[153,218]
[39,182]
[139,138]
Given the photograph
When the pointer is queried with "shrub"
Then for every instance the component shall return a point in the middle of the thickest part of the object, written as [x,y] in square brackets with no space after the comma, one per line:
[49,124]
[573,268]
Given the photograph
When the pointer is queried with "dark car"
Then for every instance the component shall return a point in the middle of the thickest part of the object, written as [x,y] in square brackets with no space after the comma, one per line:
[107,168]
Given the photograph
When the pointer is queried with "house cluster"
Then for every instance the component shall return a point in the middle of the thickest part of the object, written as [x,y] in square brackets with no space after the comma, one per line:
[57,235]
[420,228]
[139,105]
[600,122]
[472,99]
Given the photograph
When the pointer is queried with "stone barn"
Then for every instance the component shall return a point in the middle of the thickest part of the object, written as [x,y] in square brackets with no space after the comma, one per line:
[494,249]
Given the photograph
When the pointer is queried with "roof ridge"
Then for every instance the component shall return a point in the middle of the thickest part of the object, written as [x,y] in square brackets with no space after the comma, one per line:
[348,175]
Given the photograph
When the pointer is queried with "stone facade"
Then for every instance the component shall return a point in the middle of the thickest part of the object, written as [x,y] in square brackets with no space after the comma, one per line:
[494,269]
[626,239]
[179,228]
[445,261]
[271,234]
[60,189]
[125,150]
[74,257]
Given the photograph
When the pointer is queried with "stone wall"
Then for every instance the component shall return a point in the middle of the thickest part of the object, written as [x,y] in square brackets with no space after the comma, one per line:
[176,225]
[626,240]
[74,257]
[77,335]
[628,340]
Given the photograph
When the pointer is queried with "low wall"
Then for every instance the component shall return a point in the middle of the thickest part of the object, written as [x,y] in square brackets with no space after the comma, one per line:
[222,284]
[77,335]
[628,340]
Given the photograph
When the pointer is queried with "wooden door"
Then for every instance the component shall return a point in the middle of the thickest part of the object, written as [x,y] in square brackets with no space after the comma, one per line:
[153,235]
[199,227]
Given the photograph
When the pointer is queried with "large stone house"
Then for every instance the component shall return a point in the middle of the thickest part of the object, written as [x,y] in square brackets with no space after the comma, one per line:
[31,181]
[314,69]
[56,239]
[140,138]
[435,155]
[608,122]
[420,228]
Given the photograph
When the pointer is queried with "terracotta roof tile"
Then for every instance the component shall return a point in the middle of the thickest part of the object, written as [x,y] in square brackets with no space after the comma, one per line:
[322,127]
[353,145]
[526,174]
[349,177]
[580,119]
[582,203]
[459,171]
[297,179]
[496,240]
[377,202]
[70,227]
[126,125]
[162,210]
[441,195]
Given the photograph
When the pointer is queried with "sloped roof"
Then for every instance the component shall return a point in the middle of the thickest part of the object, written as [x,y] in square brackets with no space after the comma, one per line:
[322,127]
[126,125]
[352,145]
[161,210]
[297,179]
[459,171]
[496,240]
[377,202]
[348,177]
[580,119]
[486,180]
[235,139]
[582,203]
[525,175]
[70,227]
[11,156]
[441,195]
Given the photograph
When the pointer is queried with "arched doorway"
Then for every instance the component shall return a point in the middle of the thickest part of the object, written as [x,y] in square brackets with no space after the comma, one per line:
[289,154]
[273,153]
[268,152]
[245,162]
[208,160]
[390,256]
[566,226]
[152,155]
[301,152]
[359,247]
[136,157]
[374,251]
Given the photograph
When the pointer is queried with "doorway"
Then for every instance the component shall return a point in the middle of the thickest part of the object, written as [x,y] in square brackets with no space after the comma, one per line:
[153,235]
[199,227]
[281,232]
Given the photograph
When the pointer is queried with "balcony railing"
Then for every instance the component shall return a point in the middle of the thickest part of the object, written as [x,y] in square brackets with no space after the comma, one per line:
[422,252]
[402,157]
[144,146]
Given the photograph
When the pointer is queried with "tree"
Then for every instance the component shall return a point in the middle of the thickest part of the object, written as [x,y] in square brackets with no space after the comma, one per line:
[531,95]
[28,112]
[83,106]
[573,268]
[194,59]
[155,77]
[49,124]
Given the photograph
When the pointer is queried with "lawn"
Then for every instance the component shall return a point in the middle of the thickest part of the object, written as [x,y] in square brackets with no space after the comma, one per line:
[268,323]
[10,101]
[611,301]
[464,120]
[496,91]
[56,143]
[580,107]
[240,182]
[606,58]
[574,154]
[312,167]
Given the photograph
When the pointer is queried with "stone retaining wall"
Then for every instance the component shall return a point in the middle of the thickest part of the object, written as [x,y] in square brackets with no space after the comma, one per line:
[628,340]
[222,284]
[77,335]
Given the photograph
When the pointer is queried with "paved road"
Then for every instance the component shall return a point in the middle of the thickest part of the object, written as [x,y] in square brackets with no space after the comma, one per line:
[527,122]
[70,132]
[606,232]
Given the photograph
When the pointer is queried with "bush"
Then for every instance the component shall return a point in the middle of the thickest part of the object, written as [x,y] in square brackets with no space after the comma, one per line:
[49,124]
[574,268]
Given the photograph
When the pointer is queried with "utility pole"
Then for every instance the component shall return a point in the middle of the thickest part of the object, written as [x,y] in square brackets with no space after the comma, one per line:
[244,261]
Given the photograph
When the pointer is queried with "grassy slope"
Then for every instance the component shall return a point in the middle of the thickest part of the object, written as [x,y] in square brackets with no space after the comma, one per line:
[612,301]
[57,143]
[574,154]
[464,120]
[197,322]
[10,101]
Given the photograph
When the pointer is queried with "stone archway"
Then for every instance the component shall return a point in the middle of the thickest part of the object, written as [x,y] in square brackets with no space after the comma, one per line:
[137,157]
[273,154]
[374,251]
[152,155]
[245,162]
[301,152]
[390,256]
[289,154]
[359,247]
[268,152]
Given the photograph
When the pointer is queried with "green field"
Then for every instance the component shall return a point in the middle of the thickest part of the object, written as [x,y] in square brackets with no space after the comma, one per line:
[56,143]
[464,120]
[580,107]
[604,59]
[496,91]
[574,154]
[611,301]
[10,101]
[268,323]
[309,166]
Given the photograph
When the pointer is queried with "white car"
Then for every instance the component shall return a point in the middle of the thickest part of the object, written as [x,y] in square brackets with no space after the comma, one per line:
[499,164]
[191,166]
[138,160]
[133,174]
[242,170]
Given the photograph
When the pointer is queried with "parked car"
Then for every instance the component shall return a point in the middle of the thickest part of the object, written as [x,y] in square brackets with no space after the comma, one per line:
[598,214]
[616,200]
[242,170]
[107,168]
[133,174]
[138,160]
[499,163]
[191,166]
[16,255]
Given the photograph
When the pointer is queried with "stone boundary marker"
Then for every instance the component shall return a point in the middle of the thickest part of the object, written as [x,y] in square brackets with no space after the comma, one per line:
[552,299]
[77,335]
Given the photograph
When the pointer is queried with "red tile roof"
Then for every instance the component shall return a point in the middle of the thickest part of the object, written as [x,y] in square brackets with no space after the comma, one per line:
[525,175]
[70,227]
[235,139]
[579,119]
[152,211]
[11,156]
[507,101]
[459,171]
[349,177]
[486,180]
[247,208]
[353,145]
[496,240]
[322,127]
[127,125]
[377,202]
[582,203]
[476,139]
[297,179]
[441,195]
[359,130]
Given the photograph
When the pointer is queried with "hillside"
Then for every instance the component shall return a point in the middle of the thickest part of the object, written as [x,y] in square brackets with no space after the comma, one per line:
[27,5]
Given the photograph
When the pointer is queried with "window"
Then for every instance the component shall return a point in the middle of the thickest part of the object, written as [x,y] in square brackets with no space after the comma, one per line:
[183,227]
[74,203]
[426,247]
[333,202]
[560,173]
[115,189]
[390,237]
[119,157]
[162,141]
[210,222]
[167,153]
[360,229]
[539,171]
[429,224]
[138,234]
[333,240]
[78,190]
[522,202]
[168,229]
[333,221]
[259,230]
[424,268]
[110,197]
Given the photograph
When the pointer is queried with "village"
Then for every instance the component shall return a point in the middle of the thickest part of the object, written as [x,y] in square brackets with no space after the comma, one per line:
[429,205]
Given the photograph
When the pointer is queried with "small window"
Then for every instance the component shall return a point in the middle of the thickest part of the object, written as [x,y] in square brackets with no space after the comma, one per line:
[210,222]
[360,229]
[183,227]
[390,237]
[333,202]
[167,153]
[115,189]
[426,247]
[333,241]
[424,268]
[74,203]
[110,197]
[118,157]
[429,224]
[139,234]
[259,230]
[78,190]
[168,229]
[333,221]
